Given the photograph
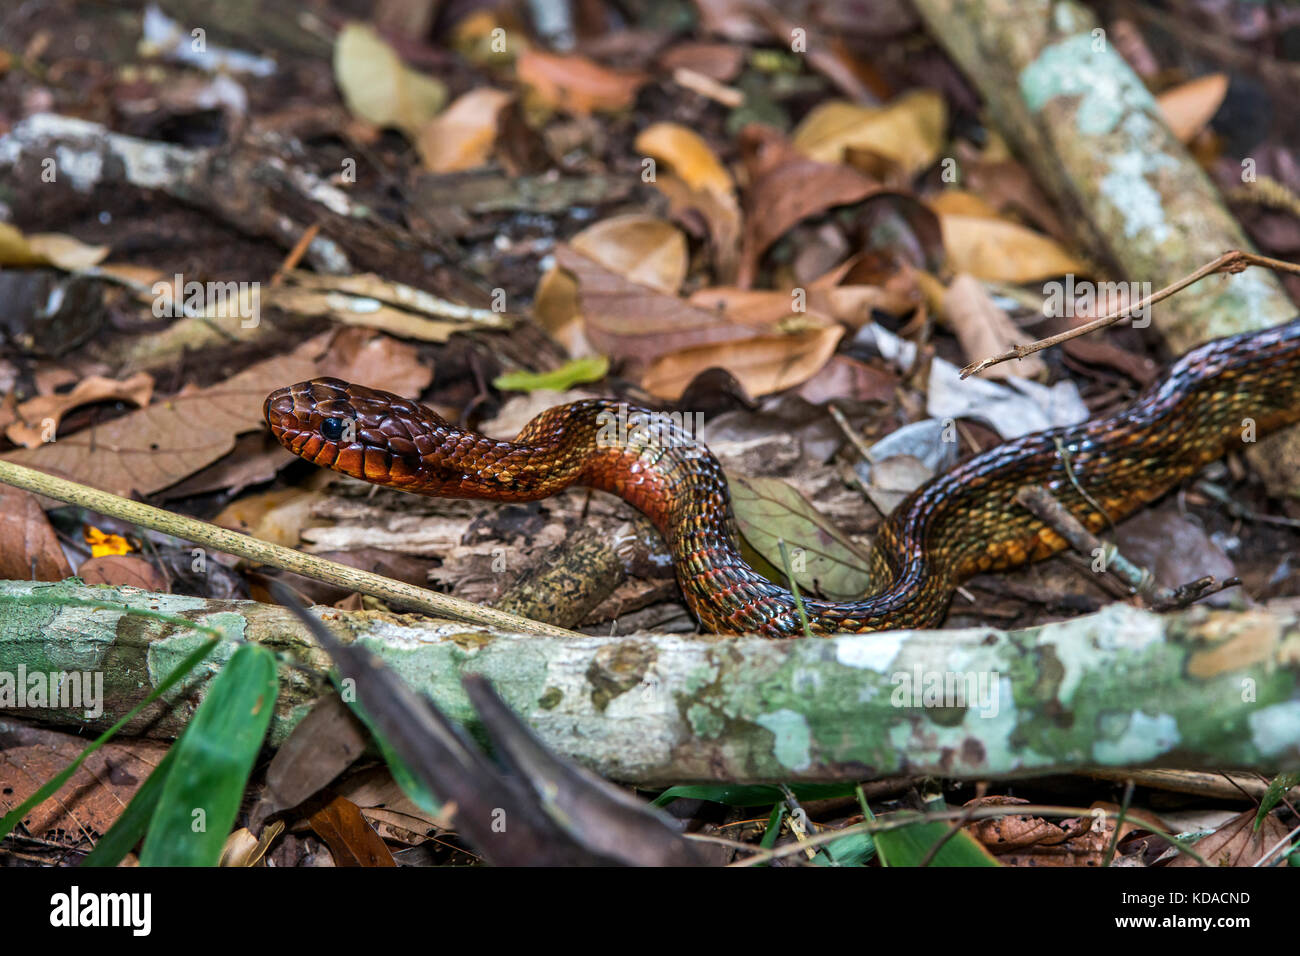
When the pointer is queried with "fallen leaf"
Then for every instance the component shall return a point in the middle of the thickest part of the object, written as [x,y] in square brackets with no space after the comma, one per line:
[959,202]
[49,248]
[1004,251]
[1237,843]
[763,364]
[687,153]
[984,329]
[352,841]
[576,84]
[1189,106]
[92,799]
[624,319]
[148,450]
[847,378]
[785,188]
[823,561]
[277,516]
[909,131]
[378,88]
[555,307]
[577,372]
[363,356]
[644,249]
[462,136]
[29,548]
[122,570]
[40,416]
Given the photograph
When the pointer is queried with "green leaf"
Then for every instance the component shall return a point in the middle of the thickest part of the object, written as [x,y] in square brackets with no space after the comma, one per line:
[55,783]
[214,757]
[752,795]
[856,849]
[410,783]
[825,561]
[592,368]
[910,845]
[131,824]
[1278,788]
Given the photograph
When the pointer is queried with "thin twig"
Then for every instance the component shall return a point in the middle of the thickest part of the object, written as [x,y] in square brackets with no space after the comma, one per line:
[262,552]
[1234,261]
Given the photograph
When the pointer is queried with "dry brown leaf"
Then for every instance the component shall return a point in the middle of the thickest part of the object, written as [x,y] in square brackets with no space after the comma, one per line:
[277,516]
[764,364]
[29,548]
[91,801]
[1004,251]
[844,377]
[644,249]
[379,360]
[1189,106]
[352,841]
[576,84]
[462,136]
[150,449]
[40,416]
[1235,843]
[785,188]
[122,569]
[624,319]
[984,329]
[909,131]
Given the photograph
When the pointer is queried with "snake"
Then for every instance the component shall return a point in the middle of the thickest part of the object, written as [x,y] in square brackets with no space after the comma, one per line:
[1218,397]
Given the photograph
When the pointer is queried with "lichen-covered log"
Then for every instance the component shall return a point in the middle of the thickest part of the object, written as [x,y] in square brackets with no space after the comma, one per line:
[1122,688]
[1082,119]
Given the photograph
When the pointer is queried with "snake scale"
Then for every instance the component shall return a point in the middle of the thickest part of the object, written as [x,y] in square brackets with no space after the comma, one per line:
[961,522]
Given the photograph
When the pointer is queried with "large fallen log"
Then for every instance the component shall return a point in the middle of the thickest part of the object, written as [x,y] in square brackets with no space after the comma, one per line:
[1121,688]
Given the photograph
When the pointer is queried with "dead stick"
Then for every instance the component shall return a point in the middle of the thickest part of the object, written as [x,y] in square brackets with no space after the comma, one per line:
[262,552]
[1234,261]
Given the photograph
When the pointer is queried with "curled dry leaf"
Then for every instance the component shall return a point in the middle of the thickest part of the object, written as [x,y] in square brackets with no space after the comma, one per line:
[699,184]
[909,131]
[462,136]
[378,87]
[763,364]
[822,559]
[29,549]
[555,306]
[39,417]
[1004,251]
[984,329]
[787,187]
[1189,106]
[122,570]
[577,84]
[644,249]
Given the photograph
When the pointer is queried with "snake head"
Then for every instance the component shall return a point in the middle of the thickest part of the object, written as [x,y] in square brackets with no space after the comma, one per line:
[361,432]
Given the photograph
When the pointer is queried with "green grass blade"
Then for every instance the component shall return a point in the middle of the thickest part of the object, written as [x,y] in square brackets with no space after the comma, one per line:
[910,845]
[214,756]
[55,783]
[129,827]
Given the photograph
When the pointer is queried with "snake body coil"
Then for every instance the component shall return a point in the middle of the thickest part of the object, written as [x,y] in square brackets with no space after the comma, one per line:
[959,523]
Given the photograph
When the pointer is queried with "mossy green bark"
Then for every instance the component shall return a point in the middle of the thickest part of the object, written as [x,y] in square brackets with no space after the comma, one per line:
[1121,688]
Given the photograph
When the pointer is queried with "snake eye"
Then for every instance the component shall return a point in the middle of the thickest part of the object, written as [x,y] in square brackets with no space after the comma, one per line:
[332,429]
